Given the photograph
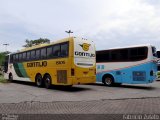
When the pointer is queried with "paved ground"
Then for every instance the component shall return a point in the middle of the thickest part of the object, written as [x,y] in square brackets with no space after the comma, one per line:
[25,98]
[128,106]
[22,92]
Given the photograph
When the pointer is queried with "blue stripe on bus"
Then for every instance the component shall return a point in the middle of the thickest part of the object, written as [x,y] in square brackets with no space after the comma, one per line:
[138,74]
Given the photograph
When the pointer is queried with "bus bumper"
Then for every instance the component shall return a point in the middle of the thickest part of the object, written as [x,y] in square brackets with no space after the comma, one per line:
[84,80]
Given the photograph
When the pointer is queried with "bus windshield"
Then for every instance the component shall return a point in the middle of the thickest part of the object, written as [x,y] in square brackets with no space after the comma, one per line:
[154,52]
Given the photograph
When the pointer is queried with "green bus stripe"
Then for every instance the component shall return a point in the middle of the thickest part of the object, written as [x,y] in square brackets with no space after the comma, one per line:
[16,67]
[22,70]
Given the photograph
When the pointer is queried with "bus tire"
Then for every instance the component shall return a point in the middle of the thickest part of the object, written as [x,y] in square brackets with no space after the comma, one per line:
[10,77]
[108,80]
[47,81]
[39,80]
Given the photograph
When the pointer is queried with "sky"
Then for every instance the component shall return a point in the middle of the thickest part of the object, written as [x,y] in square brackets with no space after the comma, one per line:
[109,23]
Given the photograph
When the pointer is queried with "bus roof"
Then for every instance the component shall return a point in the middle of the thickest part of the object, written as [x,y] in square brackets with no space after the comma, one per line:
[45,44]
[48,44]
[132,46]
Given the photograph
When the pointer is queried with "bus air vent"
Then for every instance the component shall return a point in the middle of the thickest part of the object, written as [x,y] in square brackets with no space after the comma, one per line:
[139,75]
[62,76]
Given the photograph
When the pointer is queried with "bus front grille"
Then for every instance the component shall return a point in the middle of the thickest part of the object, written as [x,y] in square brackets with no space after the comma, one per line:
[62,76]
[139,75]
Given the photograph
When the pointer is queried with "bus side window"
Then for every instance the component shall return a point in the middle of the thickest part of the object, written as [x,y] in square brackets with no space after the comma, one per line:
[20,57]
[49,52]
[56,51]
[14,58]
[103,56]
[106,56]
[43,53]
[24,56]
[33,54]
[115,55]
[138,53]
[141,51]
[28,55]
[38,54]
[64,50]
[17,58]
[133,54]
[124,55]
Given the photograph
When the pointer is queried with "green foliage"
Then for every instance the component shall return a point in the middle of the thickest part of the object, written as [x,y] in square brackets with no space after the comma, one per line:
[2,57]
[2,60]
[2,80]
[158,74]
[30,43]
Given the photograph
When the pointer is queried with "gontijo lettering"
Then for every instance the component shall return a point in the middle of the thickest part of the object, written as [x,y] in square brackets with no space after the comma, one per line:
[84,54]
[37,64]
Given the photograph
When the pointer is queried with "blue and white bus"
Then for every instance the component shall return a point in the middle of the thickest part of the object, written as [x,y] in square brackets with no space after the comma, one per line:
[130,65]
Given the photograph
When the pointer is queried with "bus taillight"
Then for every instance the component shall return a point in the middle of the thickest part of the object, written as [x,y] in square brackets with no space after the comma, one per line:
[72,72]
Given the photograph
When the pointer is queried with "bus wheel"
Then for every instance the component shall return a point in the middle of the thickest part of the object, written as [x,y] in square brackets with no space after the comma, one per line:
[10,77]
[47,80]
[108,81]
[39,80]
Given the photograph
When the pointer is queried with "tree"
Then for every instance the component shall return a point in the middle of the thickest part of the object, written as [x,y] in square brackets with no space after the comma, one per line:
[30,43]
[2,57]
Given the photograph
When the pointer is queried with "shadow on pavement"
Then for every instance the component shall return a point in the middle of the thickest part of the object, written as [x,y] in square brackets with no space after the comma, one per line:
[144,87]
[70,89]
[24,83]
[73,88]
[148,87]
